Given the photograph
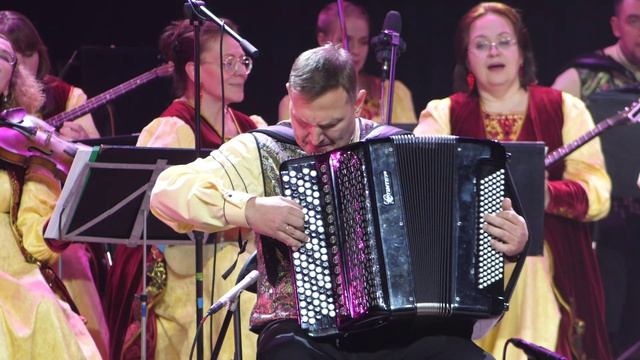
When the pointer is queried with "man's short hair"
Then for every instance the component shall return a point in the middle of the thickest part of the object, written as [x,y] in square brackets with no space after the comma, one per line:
[320,70]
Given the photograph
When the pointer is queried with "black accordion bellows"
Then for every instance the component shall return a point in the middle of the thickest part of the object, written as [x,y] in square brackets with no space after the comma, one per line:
[395,228]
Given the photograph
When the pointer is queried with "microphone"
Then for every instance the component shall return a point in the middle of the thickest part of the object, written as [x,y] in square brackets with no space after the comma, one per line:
[536,351]
[232,294]
[382,43]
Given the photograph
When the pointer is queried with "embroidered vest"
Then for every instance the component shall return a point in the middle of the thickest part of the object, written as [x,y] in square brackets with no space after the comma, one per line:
[600,72]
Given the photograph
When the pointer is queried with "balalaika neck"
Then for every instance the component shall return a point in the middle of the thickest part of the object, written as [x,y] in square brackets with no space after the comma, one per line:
[102,99]
[562,152]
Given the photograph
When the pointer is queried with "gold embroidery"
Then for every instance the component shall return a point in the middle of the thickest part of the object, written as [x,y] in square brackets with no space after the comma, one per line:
[502,127]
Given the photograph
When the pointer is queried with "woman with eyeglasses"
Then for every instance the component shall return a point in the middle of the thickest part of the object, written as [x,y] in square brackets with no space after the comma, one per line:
[171,322]
[34,321]
[558,301]
[357,24]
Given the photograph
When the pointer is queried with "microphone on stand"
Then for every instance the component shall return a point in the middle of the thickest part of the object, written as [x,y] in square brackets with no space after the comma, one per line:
[536,351]
[232,294]
[388,46]
[382,43]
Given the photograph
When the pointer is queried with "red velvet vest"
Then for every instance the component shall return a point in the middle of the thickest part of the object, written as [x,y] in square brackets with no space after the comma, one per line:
[543,121]
[210,137]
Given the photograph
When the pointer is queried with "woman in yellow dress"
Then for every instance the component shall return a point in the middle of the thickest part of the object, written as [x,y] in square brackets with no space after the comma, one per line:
[172,273]
[34,322]
[558,301]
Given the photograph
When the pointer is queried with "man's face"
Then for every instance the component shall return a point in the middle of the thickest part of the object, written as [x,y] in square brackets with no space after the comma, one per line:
[325,123]
[626,27]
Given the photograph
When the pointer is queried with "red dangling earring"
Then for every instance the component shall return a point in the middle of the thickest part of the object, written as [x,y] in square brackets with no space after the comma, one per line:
[471,81]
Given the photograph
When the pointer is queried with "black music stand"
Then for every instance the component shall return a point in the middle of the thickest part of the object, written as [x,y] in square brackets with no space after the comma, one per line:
[526,165]
[102,200]
[106,200]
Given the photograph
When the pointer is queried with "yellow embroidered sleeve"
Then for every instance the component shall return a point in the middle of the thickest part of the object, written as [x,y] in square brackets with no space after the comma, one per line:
[435,118]
[210,194]
[39,195]
[586,165]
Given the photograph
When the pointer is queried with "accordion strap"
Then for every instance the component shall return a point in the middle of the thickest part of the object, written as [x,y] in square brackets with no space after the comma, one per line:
[283,132]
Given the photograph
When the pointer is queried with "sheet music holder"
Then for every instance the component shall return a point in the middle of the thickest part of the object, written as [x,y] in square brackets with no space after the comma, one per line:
[107,190]
[620,144]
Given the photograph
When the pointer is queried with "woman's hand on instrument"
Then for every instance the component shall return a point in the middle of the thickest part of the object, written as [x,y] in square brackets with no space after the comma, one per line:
[277,217]
[73,131]
[508,228]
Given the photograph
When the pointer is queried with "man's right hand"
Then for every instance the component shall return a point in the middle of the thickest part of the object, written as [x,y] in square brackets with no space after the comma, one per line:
[277,217]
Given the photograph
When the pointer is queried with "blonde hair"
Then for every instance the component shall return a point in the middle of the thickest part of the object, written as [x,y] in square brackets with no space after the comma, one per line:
[24,91]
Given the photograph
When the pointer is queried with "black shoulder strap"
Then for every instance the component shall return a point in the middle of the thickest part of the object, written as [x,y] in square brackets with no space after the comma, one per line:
[599,61]
[281,132]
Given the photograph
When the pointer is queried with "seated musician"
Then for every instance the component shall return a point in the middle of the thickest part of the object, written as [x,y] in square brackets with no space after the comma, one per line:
[499,100]
[34,322]
[172,280]
[83,264]
[237,186]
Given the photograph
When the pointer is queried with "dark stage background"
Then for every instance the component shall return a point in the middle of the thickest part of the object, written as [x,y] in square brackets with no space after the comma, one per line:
[281,29]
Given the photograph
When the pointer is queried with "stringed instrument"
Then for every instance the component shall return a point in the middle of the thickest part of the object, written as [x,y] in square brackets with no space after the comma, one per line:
[629,115]
[26,139]
[24,142]
[103,98]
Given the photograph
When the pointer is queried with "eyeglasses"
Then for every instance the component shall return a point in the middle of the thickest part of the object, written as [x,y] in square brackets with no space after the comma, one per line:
[8,57]
[233,64]
[484,46]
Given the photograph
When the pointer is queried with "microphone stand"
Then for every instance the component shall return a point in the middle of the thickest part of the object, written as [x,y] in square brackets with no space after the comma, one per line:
[204,14]
[393,39]
[197,13]
[198,237]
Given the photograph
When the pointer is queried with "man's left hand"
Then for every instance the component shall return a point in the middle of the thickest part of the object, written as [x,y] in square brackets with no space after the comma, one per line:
[509,228]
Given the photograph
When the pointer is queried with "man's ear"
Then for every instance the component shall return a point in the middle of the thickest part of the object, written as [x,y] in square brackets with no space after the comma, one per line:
[615,26]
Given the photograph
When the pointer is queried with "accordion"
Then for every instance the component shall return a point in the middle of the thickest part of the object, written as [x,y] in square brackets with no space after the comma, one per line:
[395,229]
